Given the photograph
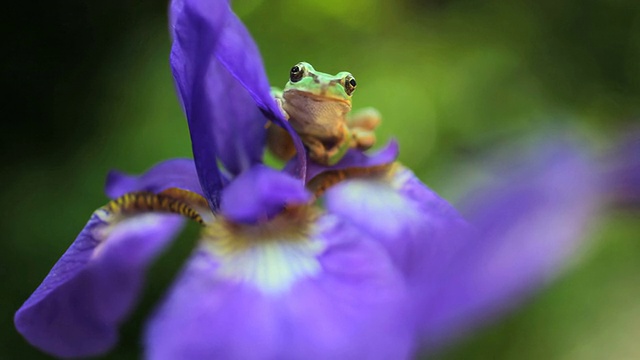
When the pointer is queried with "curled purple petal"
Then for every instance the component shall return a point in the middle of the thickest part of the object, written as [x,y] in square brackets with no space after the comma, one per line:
[261,193]
[353,307]
[353,159]
[76,310]
[358,159]
[175,173]
[527,224]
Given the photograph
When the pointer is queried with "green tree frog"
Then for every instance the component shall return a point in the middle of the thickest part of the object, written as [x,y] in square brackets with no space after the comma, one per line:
[317,105]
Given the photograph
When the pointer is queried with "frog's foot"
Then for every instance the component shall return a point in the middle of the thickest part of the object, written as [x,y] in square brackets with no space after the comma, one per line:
[363,139]
[327,151]
[317,151]
[366,119]
[362,125]
[279,142]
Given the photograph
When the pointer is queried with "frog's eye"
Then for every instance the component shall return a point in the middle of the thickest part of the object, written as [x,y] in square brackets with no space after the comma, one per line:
[296,74]
[350,84]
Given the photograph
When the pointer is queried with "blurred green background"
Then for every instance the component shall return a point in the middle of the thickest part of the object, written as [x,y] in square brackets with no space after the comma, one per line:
[89,89]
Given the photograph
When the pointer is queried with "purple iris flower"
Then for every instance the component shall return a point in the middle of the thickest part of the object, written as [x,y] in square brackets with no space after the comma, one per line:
[382,268]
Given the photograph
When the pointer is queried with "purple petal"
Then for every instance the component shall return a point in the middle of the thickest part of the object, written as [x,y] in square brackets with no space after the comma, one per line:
[239,55]
[235,123]
[175,173]
[411,221]
[527,225]
[261,193]
[76,310]
[223,88]
[354,308]
[196,26]
[239,131]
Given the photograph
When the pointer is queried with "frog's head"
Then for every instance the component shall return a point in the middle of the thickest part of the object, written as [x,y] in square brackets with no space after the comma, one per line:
[304,80]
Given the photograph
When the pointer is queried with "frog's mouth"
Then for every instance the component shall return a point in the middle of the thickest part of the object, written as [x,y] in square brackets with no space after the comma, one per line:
[323,96]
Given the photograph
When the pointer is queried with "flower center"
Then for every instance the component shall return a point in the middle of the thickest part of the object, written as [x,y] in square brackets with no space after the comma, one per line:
[272,255]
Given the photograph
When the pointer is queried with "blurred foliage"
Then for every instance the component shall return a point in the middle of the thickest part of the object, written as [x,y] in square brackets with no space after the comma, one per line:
[90,89]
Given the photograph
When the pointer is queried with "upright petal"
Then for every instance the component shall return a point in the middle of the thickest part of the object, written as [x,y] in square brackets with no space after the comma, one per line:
[175,173]
[351,305]
[76,310]
[223,88]
[239,129]
[196,26]
[527,224]
[239,55]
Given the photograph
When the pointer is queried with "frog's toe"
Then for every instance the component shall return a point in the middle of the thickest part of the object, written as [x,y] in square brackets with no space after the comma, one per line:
[367,118]
[320,158]
[363,139]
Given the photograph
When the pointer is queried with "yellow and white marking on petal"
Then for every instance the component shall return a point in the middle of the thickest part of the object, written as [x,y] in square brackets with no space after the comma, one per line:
[273,267]
[272,256]
[375,206]
[399,175]
[109,231]
[138,211]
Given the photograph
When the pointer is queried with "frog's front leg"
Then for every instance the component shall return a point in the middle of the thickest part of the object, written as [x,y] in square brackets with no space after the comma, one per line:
[328,150]
[362,139]
[362,125]
[338,151]
[279,142]
[317,151]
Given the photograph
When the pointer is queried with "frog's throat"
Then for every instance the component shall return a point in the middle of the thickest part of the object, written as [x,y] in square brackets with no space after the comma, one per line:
[324,96]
